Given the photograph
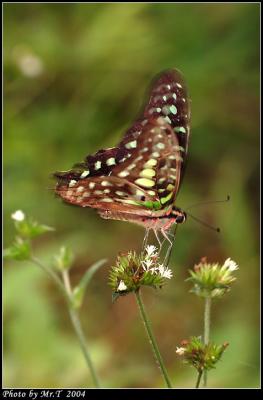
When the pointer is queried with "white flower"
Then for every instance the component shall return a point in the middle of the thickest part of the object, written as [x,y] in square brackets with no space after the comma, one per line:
[121,286]
[180,351]
[154,270]
[151,251]
[230,265]
[164,272]
[146,264]
[18,215]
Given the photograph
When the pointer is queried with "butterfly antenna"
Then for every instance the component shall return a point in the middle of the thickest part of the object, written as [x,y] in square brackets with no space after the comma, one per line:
[204,223]
[209,202]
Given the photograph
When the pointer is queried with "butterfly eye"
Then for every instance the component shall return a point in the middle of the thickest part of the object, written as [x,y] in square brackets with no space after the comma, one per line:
[180,216]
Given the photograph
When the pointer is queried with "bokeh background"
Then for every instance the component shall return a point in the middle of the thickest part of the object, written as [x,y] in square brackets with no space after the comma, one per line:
[75,76]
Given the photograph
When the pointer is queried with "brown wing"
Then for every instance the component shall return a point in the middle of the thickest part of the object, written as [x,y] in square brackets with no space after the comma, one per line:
[167,98]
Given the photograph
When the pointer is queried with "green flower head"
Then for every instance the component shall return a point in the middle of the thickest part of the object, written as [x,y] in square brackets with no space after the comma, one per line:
[134,270]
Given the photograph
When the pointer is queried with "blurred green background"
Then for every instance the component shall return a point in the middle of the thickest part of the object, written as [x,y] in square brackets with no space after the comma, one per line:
[74,79]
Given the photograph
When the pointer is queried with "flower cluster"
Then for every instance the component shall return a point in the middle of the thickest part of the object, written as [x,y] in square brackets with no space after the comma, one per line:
[212,280]
[26,229]
[134,270]
[201,356]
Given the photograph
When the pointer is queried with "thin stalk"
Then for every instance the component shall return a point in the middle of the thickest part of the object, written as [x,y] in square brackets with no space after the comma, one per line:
[152,340]
[79,331]
[200,373]
[51,274]
[207,322]
[67,292]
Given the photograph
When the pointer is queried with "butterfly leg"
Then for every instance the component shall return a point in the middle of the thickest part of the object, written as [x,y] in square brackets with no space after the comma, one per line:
[145,239]
[158,240]
[169,250]
[165,235]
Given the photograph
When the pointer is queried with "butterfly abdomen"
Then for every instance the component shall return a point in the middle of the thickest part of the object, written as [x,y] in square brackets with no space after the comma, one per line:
[153,222]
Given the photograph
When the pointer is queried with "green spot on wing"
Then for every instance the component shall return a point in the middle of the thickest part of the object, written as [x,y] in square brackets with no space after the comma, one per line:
[167,198]
[152,205]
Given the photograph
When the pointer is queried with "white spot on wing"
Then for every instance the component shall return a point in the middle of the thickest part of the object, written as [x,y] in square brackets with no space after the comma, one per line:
[111,161]
[123,174]
[131,166]
[145,182]
[120,193]
[144,150]
[106,183]
[151,192]
[167,119]
[160,146]
[131,145]
[72,183]
[84,174]
[97,165]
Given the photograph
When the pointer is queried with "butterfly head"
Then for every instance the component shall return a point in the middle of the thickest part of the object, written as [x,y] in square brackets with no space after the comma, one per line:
[179,215]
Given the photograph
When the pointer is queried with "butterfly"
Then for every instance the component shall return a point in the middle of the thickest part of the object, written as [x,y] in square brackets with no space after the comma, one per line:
[138,180]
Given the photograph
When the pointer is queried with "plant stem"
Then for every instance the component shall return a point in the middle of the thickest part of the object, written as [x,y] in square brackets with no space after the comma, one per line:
[152,340]
[200,373]
[207,321]
[78,330]
[66,290]
[52,275]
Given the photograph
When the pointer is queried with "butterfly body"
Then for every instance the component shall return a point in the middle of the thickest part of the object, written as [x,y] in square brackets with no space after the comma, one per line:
[138,180]
[154,220]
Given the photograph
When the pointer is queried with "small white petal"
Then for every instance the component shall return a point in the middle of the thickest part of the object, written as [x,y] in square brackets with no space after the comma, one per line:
[230,265]
[153,270]
[180,351]
[146,264]
[18,215]
[164,272]
[150,250]
[121,286]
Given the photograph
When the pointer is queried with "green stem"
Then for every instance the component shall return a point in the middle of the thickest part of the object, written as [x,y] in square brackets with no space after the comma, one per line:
[200,373]
[207,322]
[78,330]
[52,275]
[66,290]
[152,340]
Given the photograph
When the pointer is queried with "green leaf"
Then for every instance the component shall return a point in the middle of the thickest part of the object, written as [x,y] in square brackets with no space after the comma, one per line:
[64,259]
[20,250]
[79,290]
[30,229]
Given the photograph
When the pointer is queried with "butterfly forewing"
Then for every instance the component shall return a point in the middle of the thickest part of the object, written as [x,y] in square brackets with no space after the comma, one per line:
[168,98]
[143,172]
